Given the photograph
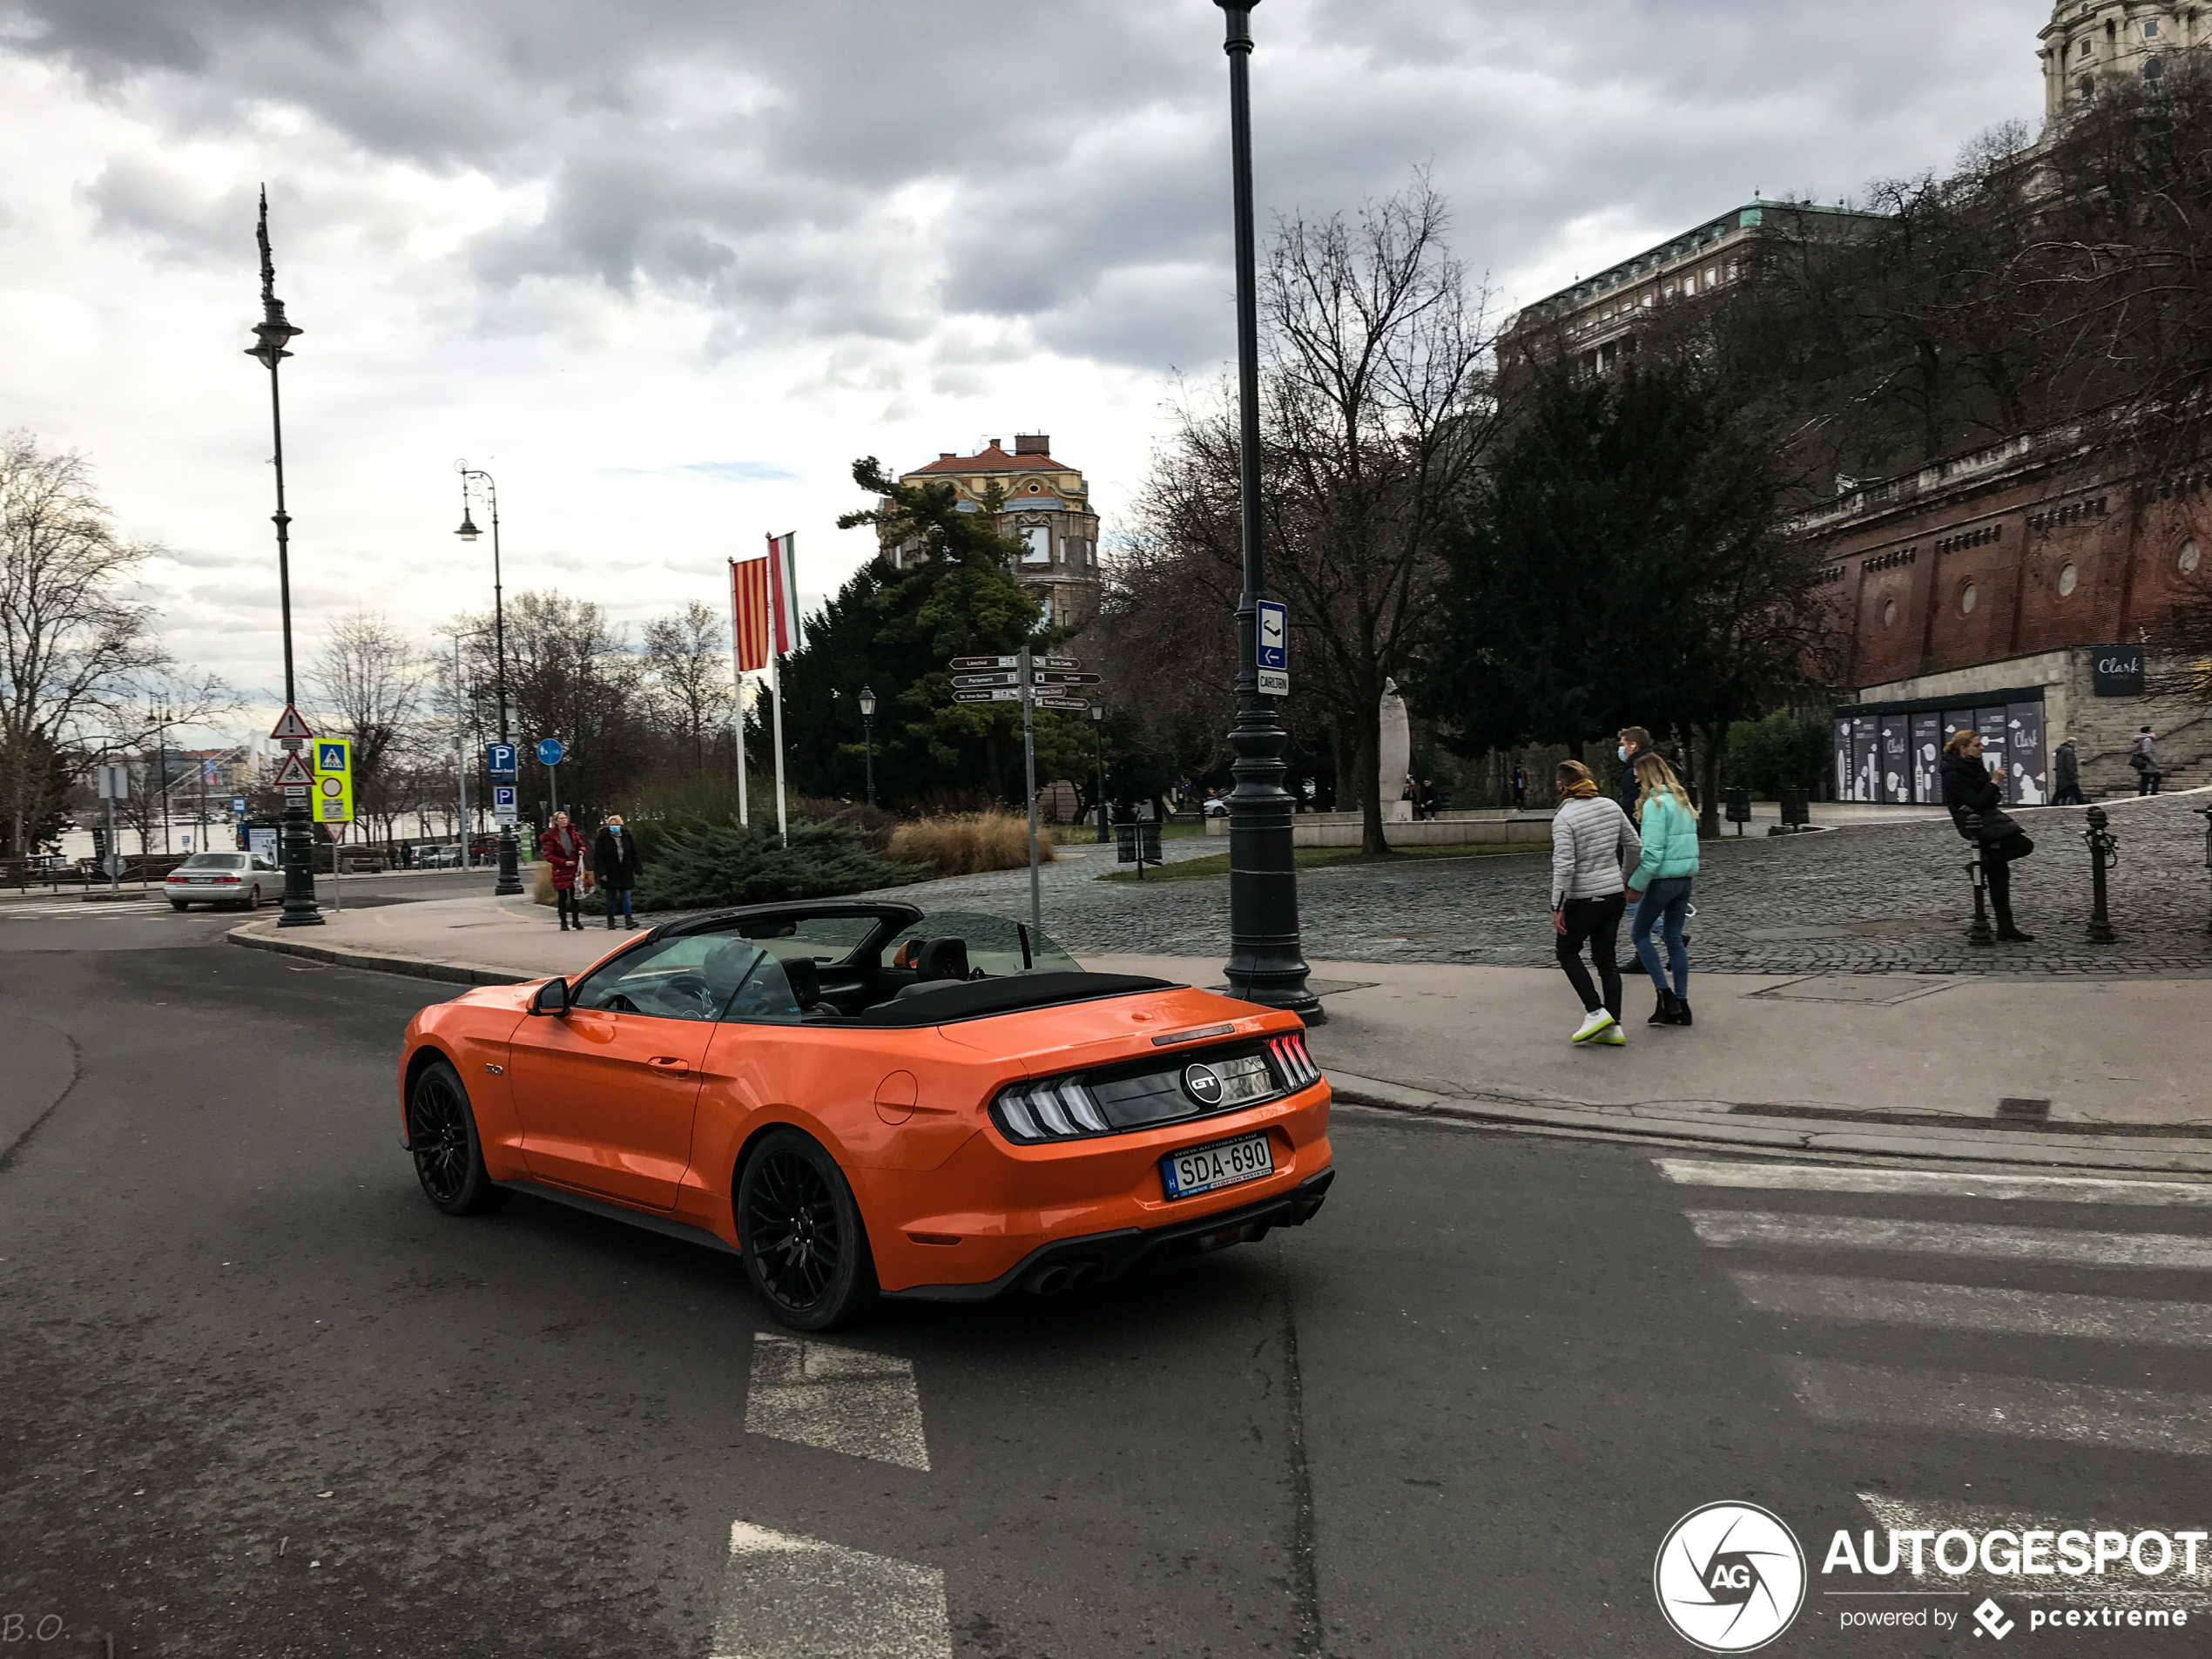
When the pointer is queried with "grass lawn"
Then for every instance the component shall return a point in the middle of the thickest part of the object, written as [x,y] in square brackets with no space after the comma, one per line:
[1315,857]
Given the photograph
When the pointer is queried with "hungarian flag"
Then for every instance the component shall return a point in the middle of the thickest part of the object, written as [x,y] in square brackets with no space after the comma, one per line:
[783,594]
[749,613]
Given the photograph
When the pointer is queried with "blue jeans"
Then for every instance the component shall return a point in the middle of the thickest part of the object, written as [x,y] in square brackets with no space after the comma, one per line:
[618,901]
[1665,903]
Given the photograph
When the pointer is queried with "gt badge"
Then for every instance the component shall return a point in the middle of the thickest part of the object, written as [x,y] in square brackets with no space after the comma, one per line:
[1204,1084]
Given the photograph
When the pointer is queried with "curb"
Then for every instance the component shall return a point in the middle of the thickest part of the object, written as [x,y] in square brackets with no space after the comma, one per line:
[1964,1144]
[377,962]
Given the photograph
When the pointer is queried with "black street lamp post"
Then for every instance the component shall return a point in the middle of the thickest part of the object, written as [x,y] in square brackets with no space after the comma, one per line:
[510,875]
[295,850]
[1098,737]
[867,736]
[1266,963]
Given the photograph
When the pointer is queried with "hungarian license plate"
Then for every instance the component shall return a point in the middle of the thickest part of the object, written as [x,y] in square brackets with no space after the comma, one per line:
[1203,1169]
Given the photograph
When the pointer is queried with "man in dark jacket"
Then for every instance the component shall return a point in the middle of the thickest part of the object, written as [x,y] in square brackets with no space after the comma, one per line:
[1971,787]
[616,868]
[2066,775]
[1633,741]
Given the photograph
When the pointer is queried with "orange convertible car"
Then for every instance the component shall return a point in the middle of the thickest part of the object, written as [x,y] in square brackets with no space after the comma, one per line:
[859,1097]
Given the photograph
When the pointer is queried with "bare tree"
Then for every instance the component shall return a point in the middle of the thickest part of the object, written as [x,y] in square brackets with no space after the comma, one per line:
[70,644]
[372,687]
[1375,408]
[687,654]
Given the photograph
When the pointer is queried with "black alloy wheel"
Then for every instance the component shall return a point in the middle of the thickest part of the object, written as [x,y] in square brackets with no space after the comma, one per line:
[805,1248]
[441,1133]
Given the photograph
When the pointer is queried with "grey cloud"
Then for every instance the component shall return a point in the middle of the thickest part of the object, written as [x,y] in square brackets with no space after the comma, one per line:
[746,156]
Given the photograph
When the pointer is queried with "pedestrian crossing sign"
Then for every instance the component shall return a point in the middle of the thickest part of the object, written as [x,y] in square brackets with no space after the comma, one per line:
[334,793]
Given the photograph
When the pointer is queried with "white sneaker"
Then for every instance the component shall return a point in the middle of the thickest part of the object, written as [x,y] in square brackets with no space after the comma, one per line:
[1611,1037]
[1593,1023]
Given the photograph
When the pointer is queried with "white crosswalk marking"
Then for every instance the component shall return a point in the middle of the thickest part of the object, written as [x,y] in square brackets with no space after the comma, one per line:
[1933,1184]
[787,1598]
[2175,1588]
[836,1399]
[1771,1229]
[2141,1419]
[1977,1307]
[1978,1400]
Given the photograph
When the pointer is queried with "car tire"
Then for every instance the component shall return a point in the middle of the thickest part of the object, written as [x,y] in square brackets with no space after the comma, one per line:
[442,1134]
[805,1247]
[253,897]
[178,905]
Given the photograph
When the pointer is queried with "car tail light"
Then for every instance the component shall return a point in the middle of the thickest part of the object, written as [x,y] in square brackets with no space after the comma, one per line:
[231,878]
[1059,1109]
[1290,1057]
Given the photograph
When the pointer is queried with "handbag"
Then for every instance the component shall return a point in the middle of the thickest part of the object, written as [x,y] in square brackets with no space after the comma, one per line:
[1997,824]
[2139,761]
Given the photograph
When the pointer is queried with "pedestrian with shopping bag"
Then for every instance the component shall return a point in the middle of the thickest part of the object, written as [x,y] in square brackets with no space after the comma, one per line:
[616,867]
[1659,887]
[1592,841]
[563,850]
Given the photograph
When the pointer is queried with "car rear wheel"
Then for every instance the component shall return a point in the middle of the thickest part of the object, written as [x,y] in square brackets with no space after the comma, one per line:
[178,904]
[253,897]
[441,1133]
[805,1248]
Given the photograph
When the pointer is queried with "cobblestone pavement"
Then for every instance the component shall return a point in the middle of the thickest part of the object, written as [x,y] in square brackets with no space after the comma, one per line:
[1876,898]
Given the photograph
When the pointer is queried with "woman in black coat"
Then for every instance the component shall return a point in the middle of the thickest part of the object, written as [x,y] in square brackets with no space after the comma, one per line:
[1970,786]
[616,868]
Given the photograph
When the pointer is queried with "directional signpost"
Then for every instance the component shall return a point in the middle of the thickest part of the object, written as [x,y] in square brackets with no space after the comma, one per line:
[1034,683]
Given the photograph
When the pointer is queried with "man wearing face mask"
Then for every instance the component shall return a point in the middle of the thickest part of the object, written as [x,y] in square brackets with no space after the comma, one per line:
[616,868]
[1633,741]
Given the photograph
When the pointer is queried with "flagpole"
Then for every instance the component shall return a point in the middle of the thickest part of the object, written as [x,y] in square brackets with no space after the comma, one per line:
[737,670]
[776,695]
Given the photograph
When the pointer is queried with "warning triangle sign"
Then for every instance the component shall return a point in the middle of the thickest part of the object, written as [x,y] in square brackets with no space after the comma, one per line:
[291,725]
[293,772]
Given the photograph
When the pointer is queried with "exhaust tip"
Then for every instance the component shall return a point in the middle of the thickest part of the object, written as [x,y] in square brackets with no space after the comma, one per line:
[1055,1278]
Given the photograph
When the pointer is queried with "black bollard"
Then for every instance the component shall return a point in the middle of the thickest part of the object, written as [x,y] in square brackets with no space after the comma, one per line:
[2104,851]
[1979,934]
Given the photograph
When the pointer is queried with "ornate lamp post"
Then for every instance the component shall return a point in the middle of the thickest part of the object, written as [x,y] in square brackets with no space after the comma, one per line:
[511,876]
[1266,962]
[867,736]
[1098,712]
[273,333]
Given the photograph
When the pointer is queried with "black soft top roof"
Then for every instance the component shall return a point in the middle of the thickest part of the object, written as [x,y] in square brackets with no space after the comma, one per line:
[715,921]
[974,999]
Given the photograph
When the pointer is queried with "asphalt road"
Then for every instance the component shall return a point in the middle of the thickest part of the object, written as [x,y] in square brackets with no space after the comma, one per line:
[257,1398]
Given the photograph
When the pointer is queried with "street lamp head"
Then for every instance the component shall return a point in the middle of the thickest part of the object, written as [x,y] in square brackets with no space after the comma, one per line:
[867,704]
[468,530]
[1098,712]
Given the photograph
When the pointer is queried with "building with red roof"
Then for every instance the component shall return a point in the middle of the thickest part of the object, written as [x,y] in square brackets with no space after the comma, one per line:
[1044,504]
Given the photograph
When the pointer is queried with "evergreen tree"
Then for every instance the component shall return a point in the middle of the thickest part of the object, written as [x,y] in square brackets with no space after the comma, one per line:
[895,628]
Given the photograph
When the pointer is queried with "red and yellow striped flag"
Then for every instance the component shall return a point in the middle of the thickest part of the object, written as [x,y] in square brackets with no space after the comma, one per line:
[749,609]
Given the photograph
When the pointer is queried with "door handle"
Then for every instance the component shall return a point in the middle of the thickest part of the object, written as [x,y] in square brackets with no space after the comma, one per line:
[669,1064]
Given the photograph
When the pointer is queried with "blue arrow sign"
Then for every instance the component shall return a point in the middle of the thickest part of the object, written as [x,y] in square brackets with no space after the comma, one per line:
[549,751]
[1272,644]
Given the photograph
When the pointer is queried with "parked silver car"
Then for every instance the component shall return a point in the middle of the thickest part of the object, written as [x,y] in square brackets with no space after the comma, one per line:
[219,878]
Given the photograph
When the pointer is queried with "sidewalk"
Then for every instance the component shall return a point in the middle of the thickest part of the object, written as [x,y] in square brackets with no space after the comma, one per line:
[2081,1073]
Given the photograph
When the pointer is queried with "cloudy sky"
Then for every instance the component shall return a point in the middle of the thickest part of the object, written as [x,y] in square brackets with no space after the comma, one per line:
[666,267]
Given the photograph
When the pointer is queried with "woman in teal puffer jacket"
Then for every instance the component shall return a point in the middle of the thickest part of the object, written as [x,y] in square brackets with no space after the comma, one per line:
[1660,885]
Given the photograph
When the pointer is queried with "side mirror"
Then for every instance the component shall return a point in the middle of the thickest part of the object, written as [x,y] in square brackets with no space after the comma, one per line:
[552,997]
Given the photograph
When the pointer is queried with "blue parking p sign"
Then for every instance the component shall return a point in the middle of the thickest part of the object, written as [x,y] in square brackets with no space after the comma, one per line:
[499,760]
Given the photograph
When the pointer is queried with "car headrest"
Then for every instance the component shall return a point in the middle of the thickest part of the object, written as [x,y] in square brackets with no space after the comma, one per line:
[943,959]
[806,977]
[726,965]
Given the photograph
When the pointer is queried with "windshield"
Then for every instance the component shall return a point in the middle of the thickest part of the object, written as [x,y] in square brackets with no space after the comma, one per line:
[994,943]
[214,861]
